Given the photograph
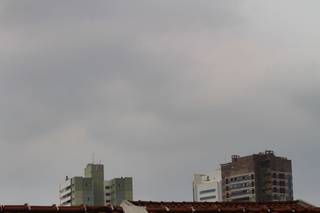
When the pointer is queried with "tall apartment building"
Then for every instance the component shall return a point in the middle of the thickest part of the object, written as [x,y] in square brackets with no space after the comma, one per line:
[92,189]
[260,177]
[96,173]
[117,190]
[87,190]
[207,187]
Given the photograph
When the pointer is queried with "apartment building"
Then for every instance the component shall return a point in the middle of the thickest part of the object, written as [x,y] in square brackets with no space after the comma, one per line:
[92,189]
[84,190]
[76,191]
[117,190]
[207,187]
[261,177]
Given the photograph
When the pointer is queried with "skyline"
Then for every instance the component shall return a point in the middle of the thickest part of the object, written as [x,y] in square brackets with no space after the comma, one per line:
[158,90]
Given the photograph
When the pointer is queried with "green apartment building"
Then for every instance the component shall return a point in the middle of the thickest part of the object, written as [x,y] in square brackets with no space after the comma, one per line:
[117,190]
[92,189]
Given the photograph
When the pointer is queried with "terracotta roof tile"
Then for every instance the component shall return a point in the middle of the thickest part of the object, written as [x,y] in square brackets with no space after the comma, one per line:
[175,207]
[204,207]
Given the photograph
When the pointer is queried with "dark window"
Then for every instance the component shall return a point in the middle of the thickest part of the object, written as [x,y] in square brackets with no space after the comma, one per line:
[282,190]
[275,182]
[227,181]
[274,175]
[275,189]
[252,176]
[282,183]
[207,191]
[208,197]
[241,192]
[281,176]
[265,163]
[241,199]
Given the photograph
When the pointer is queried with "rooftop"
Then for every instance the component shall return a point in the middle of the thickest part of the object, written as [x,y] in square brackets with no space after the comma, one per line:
[175,207]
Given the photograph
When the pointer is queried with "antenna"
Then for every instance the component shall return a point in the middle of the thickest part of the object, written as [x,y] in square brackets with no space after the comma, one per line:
[93,158]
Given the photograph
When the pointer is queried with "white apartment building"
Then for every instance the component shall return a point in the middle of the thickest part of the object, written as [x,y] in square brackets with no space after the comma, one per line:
[207,187]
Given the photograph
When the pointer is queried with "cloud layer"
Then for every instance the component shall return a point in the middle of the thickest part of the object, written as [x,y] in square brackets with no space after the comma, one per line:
[157,90]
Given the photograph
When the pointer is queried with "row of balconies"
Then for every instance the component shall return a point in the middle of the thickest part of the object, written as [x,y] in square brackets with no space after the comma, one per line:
[239,178]
[240,193]
[240,185]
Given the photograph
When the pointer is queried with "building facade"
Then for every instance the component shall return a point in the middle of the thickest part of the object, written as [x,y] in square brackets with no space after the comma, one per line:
[96,173]
[76,191]
[261,177]
[207,187]
[117,190]
[86,190]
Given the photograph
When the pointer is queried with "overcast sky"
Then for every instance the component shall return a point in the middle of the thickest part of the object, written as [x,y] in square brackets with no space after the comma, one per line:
[158,90]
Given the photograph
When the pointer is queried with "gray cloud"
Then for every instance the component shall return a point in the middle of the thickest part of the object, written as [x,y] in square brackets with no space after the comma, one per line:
[157,90]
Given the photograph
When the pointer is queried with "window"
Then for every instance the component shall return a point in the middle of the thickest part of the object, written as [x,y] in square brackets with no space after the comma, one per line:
[282,190]
[208,197]
[275,190]
[207,191]
[275,183]
[241,192]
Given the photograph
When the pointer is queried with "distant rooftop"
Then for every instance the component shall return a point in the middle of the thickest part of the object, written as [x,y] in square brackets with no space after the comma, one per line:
[234,158]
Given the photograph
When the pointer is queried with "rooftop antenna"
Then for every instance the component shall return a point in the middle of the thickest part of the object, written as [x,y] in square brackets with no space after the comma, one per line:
[93,158]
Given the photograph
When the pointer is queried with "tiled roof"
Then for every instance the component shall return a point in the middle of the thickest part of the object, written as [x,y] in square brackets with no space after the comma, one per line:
[205,207]
[54,208]
[175,207]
